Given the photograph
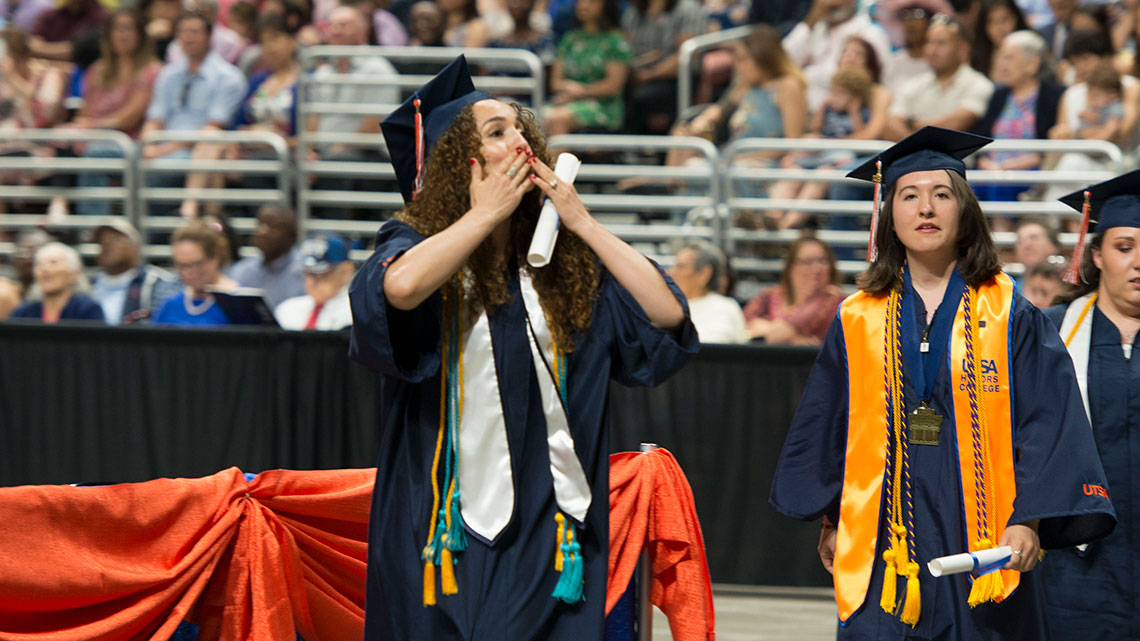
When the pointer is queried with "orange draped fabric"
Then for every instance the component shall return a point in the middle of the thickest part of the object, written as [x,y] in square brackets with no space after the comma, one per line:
[651,504]
[282,555]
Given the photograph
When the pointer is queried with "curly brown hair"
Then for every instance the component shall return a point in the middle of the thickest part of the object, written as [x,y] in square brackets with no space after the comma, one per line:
[567,287]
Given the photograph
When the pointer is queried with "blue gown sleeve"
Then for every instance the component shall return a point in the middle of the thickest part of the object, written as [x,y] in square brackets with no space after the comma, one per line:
[1056,462]
[394,342]
[643,354]
[809,474]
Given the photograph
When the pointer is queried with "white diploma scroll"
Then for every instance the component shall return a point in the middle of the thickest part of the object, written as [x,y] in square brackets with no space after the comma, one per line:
[980,562]
[546,232]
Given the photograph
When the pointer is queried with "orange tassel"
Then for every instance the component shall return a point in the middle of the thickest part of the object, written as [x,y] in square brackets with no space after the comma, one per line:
[1073,272]
[447,570]
[558,544]
[429,583]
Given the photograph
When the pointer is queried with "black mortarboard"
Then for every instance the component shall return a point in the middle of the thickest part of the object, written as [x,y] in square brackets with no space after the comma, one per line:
[927,149]
[1112,203]
[436,104]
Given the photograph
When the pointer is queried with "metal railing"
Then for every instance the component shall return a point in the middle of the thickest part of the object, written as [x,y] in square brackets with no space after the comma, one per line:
[687,57]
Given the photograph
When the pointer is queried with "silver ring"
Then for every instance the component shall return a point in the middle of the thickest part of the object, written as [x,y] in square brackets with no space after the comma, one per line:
[1017,552]
[554,184]
[511,171]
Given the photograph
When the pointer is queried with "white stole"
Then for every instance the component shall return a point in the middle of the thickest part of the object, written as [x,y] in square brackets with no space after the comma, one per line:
[1076,331]
[485,478]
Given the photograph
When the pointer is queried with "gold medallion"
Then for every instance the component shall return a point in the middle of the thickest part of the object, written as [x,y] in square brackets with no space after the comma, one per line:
[924,424]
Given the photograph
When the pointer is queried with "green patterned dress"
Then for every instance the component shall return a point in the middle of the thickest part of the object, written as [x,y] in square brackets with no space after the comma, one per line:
[584,57]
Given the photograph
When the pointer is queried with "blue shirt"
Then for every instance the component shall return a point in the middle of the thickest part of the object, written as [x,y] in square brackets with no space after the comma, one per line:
[281,280]
[78,307]
[174,312]
[184,101]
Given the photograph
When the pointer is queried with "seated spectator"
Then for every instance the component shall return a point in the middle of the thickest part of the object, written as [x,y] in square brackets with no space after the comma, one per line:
[527,32]
[1057,32]
[388,30]
[590,72]
[464,27]
[24,14]
[996,20]
[57,31]
[656,29]
[1043,284]
[850,112]
[278,270]
[297,14]
[9,297]
[58,269]
[1022,107]
[1037,243]
[242,18]
[31,97]
[160,16]
[199,93]
[799,310]
[328,271]
[698,269]
[815,43]
[951,95]
[200,252]
[28,242]
[127,289]
[347,27]
[909,19]
[767,100]
[117,89]
[426,26]
[228,44]
[1103,115]
[715,72]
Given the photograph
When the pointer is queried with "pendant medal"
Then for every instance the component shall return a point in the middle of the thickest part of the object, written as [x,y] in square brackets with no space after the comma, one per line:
[925,425]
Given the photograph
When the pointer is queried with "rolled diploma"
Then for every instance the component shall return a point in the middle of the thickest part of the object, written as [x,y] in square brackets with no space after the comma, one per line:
[980,562]
[546,232]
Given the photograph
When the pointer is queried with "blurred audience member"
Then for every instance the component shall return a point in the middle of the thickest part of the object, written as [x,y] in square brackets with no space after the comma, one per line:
[160,16]
[850,111]
[117,89]
[9,297]
[24,14]
[699,269]
[57,270]
[1022,107]
[951,95]
[58,30]
[530,30]
[227,43]
[997,19]
[23,260]
[243,20]
[328,271]
[426,24]
[1042,284]
[200,252]
[464,27]
[816,43]
[271,104]
[127,289]
[656,29]
[799,310]
[386,27]
[278,270]
[589,74]
[1056,33]
[907,22]
[1103,115]
[1036,243]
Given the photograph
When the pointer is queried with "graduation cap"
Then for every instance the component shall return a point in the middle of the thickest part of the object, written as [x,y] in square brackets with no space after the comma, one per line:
[927,149]
[413,129]
[1117,204]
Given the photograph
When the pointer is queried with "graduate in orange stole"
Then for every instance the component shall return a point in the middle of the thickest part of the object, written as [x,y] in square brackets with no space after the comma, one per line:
[942,416]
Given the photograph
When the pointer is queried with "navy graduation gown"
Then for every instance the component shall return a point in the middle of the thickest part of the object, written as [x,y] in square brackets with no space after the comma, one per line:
[1054,457]
[504,588]
[1096,594]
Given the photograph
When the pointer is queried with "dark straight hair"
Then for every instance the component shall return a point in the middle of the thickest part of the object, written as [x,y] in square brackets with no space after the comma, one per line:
[977,255]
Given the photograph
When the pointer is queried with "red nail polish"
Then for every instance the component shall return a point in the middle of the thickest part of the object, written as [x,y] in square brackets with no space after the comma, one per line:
[471,161]
[533,177]
[519,150]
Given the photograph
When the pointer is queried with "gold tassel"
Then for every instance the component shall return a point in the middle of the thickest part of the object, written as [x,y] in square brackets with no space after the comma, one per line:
[429,583]
[447,573]
[889,599]
[558,544]
[987,588]
[912,608]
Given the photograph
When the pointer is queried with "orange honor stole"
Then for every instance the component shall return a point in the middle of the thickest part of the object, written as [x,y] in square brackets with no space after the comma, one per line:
[981,383]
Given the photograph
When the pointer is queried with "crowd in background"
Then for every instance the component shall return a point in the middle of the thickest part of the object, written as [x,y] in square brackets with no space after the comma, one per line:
[1011,69]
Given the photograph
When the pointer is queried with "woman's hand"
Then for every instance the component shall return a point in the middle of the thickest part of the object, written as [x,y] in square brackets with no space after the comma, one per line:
[496,191]
[565,198]
[826,547]
[1026,546]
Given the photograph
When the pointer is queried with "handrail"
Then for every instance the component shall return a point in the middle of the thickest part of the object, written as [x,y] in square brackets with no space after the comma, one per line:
[690,48]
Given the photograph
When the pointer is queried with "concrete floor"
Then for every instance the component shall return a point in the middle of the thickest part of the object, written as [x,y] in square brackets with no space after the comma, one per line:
[745,613]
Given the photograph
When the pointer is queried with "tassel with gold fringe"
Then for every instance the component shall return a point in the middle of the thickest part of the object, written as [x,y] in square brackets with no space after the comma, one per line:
[889,598]
[990,587]
[429,583]
[447,572]
[561,520]
[912,608]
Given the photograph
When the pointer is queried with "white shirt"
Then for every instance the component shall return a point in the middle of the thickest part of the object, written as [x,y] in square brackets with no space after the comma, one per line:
[901,68]
[817,49]
[718,319]
[111,294]
[294,313]
[925,97]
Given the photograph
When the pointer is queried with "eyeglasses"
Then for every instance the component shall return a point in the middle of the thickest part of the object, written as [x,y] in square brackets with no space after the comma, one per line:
[942,19]
[182,267]
[807,262]
[913,13]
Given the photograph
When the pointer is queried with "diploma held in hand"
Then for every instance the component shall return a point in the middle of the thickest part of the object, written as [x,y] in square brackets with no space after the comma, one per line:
[546,232]
[980,563]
